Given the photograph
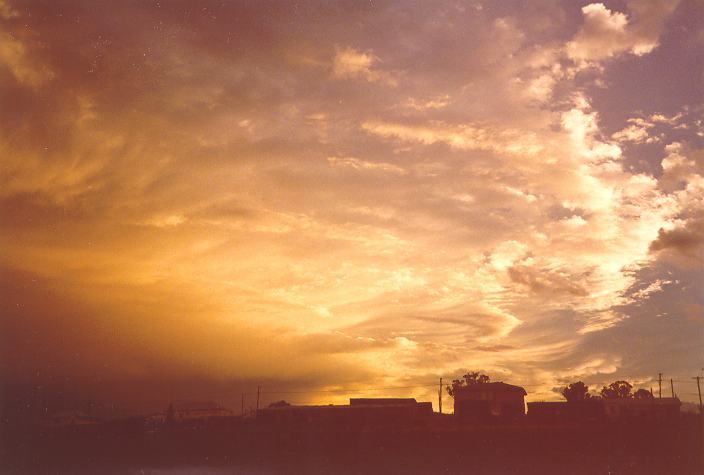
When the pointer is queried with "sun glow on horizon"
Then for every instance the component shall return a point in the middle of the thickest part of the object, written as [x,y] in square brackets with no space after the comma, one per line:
[349,195]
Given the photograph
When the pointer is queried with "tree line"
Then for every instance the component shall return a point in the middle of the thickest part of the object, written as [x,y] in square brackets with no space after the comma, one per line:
[578,391]
[573,392]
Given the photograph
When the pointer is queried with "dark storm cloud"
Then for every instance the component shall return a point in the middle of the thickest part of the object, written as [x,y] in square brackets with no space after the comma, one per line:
[59,351]
[687,240]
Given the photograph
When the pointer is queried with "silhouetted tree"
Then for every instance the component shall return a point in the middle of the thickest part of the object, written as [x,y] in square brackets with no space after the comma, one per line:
[617,390]
[575,392]
[643,394]
[469,379]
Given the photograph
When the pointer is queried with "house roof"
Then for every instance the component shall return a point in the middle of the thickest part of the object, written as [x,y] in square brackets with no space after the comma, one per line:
[383,401]
[548,403]
[199,406]
[293,408]
[497,387]
[356,405]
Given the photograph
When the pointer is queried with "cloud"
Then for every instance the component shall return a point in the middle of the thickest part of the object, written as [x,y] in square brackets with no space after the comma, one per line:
[350,63]
[6,11]
[670,120]
[581,123]
[652,288]
[636,132]
[438,102]
[596,366]
[547,282]
[453,324]
[358,164]
[680,166]
[603,35]
[461,137]
[541,87]
[14,57]
[600,321]
[151,341]
[683,237]
[686,240]
[607,33]
[228,183]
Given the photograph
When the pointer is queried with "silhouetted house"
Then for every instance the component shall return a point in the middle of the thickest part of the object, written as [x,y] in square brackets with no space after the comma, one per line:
[193,411]
[562,411]
[382,410]
[548,410]
[666,408]
[385,401]
[361,412]
[484,402]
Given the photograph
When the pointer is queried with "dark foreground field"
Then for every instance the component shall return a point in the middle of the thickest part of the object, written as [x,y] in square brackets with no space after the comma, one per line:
[675,448]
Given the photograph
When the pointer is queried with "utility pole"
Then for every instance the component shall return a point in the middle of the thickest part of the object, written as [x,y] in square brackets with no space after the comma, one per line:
[440,397]
[660,385]
[259,390]
[672,387]
[699,390]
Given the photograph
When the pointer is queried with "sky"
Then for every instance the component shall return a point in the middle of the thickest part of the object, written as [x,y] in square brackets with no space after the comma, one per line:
[199,198]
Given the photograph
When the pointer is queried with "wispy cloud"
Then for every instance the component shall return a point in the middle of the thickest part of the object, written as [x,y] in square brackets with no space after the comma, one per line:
[376,194]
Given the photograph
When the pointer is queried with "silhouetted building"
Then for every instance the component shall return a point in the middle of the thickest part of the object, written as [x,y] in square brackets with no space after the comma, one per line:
[548,410]
[614,409]
[666,408]
[360,412]
[385,401]
[191,411]
[483,402]
[562,411]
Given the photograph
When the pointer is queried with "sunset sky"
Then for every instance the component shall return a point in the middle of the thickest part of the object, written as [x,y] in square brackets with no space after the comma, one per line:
[197,198]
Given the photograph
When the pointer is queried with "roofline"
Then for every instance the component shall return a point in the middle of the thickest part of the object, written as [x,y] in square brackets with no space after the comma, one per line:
[494,384]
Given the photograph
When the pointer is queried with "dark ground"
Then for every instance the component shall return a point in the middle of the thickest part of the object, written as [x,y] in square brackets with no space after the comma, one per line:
[628,448]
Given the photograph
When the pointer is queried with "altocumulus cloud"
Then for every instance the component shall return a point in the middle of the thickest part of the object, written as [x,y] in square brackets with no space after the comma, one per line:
[345,195]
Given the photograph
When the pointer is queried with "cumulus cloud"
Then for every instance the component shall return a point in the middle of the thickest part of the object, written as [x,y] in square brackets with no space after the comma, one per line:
[652,288]
[637,131]
[582,124]
[681,166]
[541,87]
[606,33]
[686,240]
[351,63]
[603,35]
